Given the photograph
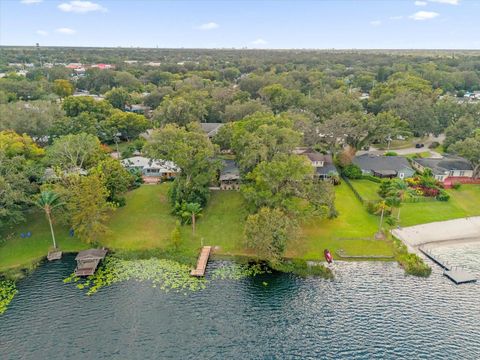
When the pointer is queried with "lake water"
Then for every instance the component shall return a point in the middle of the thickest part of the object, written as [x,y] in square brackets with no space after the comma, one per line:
[370,311]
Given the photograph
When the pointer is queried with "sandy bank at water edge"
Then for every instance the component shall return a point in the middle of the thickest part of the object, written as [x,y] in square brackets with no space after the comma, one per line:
[442,232]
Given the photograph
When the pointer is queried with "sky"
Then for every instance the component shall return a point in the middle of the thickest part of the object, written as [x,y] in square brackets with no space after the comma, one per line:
[342,24]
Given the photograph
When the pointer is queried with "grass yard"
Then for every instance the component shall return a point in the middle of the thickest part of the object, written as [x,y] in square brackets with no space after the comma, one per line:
[222,224]
[367,189]
[144,223]
[463,202]
[16,252]
[423,154]
[348,231]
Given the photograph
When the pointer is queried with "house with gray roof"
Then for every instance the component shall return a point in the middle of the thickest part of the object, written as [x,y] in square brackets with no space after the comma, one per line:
[384,166]
[449,167]
[211,129]
[323,163]
[229,176]
[152,170]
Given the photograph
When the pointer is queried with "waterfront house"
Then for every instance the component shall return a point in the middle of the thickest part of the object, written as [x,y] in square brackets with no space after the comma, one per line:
[229,176]
[323,164]
[448,170]
[153,171]
[384,166]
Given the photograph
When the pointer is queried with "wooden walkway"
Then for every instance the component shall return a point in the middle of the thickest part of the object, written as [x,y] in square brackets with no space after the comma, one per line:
[88,260]
[202,262]
[454,273]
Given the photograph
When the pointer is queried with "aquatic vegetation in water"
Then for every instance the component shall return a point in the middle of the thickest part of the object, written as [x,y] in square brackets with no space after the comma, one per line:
[166,274]
[7,292]
[237,272]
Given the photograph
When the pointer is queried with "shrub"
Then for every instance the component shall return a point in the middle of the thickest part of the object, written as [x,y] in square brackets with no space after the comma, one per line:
[390,153]
[371,207]
[443,196]
[138,178]
[456,185]
[372,178]
[434,145]
[301,268]
[352,171]
[411,263]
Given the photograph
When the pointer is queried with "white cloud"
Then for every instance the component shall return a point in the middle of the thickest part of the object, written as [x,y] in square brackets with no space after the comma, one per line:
[29,2]
[209,26]
[66,31]
[396,17]
[81,7]
[259,41]
[424,15]
[449,2]
[42,32]
[420,3]
[375,23]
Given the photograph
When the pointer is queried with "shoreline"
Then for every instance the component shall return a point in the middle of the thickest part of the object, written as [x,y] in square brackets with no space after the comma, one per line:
[441,233]
[458,241]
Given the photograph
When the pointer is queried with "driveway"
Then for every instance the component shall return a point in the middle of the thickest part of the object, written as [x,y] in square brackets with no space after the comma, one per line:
[411,150]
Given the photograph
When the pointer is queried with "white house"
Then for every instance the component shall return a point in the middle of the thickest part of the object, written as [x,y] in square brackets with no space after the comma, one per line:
[453,168]
[151,168]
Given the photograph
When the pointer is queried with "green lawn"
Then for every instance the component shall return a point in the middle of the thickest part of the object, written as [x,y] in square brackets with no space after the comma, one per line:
[367,189]
[463,202]
[16,252]
[345,232]
[146,223]
[222,224]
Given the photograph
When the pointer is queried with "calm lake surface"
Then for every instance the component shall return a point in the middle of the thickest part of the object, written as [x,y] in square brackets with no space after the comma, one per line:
[370,311]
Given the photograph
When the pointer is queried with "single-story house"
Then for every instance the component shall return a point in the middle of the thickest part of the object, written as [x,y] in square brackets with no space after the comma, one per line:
[384,166]
[229,176]
[150,168]
[445,169]
[211,129]
[323,164]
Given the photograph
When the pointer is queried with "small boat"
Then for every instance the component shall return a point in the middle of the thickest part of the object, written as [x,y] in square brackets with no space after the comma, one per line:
[328,256]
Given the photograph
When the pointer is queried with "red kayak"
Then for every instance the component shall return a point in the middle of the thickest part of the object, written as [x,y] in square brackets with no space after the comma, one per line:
[328,256]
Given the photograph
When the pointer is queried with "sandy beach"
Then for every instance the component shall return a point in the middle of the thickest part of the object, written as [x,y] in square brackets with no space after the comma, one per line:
[465,230]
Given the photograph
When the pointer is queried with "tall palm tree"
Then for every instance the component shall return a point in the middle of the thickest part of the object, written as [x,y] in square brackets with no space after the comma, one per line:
[47,201]
[401,189]
[381,208]
[193,210]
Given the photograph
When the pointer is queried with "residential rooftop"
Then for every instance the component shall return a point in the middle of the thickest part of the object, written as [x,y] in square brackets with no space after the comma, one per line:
[445,164]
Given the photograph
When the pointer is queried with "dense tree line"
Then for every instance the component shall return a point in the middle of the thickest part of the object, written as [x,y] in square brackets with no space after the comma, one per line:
[270,101]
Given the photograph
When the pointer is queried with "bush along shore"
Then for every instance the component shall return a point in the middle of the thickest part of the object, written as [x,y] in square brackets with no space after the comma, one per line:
[7,292]
[302,268]
[411,263]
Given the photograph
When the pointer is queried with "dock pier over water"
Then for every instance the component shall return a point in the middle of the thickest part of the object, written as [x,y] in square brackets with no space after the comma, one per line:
[202,262]
[454,273]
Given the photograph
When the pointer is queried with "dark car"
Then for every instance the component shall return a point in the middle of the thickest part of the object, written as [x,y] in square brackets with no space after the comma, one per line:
[419,146]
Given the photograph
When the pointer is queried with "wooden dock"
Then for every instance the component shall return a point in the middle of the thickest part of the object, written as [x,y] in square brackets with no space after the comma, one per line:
[88,260]
[54,255]
[202,262]
[454,273]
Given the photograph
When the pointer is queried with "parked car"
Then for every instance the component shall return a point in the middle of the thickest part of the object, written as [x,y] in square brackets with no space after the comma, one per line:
[419,146]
